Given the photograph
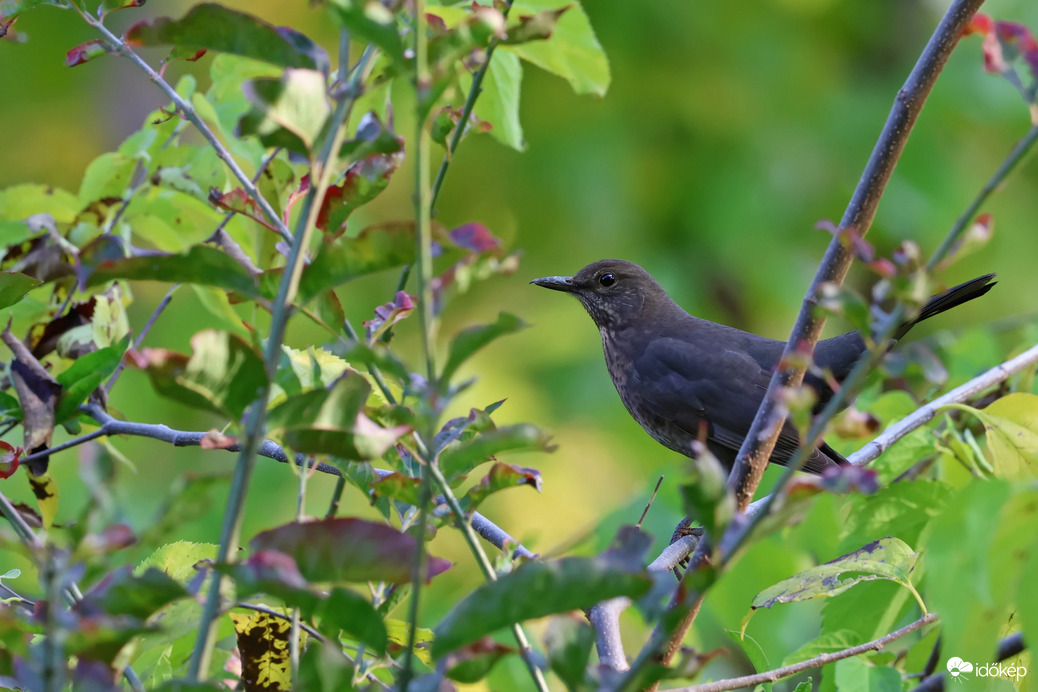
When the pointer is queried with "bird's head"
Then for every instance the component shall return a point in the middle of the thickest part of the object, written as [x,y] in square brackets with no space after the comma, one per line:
[616,293]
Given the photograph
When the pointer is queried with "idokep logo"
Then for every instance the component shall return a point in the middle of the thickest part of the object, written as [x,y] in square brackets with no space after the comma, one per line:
[959,670]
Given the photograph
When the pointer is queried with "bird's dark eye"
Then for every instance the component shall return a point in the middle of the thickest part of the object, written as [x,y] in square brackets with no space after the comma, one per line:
[607,280]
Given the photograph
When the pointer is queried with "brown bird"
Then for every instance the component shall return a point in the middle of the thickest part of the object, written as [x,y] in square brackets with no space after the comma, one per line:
[678,374]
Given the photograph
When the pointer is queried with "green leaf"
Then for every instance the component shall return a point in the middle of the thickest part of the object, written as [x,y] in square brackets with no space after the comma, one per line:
[534,590]
[222,374]
[353,614]
[106,178]
[568,642]
[296,102]
[187,498]
[14,286]
[332,421]
[827,643]
[19,202]
[753,650]
[9,9]
[363,182]
[140,596]
[374,249]
[460,458]
[573,52]
[501,477]
[472,663]
[370,21]
[472,339]
[888,558]
[498,103]
[335,550]
[1011,426]
[200,265]
[324,668]
[218,28]
[84,376]
[858,675]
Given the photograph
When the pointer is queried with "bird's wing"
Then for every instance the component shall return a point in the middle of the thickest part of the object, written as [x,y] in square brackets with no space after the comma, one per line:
[685,384]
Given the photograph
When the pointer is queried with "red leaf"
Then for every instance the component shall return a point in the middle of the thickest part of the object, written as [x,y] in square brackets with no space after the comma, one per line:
[9,459]
[364,180]
[389,314]
[86,51]
[475,237]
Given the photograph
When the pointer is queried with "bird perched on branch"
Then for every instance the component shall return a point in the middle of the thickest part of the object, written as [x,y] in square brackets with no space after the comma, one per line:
[682,377]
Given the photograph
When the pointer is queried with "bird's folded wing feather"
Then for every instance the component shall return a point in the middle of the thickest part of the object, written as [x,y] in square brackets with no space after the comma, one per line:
[684,384]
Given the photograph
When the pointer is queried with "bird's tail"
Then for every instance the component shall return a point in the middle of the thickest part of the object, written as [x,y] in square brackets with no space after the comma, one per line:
[946,300]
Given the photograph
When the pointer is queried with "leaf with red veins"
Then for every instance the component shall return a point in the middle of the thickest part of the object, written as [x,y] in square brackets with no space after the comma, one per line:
[9,459]
[389,314]
[364,180]
[475,237]
[239,202]
[85,52]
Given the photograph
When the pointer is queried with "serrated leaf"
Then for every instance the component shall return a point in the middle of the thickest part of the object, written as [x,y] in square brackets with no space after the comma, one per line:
[470,340]
[458,460]
[332,421]
[1011,427]
[374,249]
[573,52]
[534,590]
[222,374]
[335,550]
[218,28]
[888,558]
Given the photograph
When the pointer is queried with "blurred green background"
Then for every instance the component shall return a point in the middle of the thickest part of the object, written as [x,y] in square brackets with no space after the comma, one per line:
[729,131]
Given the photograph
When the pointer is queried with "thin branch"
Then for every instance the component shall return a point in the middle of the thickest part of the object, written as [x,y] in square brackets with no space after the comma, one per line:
[493,533]
[924,415]
[163,304]
[188,111]
[466,112]
[281,616]
[1008,647]
[746,681]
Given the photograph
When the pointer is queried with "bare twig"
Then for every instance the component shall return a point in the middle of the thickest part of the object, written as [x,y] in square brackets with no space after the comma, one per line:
[747,681]
[144,332]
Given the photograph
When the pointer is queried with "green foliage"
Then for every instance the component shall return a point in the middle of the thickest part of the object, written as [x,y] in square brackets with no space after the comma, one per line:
[318,152]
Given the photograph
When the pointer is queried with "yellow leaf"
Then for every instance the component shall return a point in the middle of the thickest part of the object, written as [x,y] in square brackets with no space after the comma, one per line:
[46,492]
[263,641]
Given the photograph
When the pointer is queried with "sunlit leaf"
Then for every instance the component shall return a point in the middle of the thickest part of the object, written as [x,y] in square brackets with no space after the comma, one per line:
[222,374]
[501,477]
[371,22]
[263,641]
[13,287]
[1011,429]
[888,558]
[332,421]
[573,52]
[457,460]
[84,376]
[296,102]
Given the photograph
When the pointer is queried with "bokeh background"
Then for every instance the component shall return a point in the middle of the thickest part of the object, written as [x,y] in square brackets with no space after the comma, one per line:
[728,133]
